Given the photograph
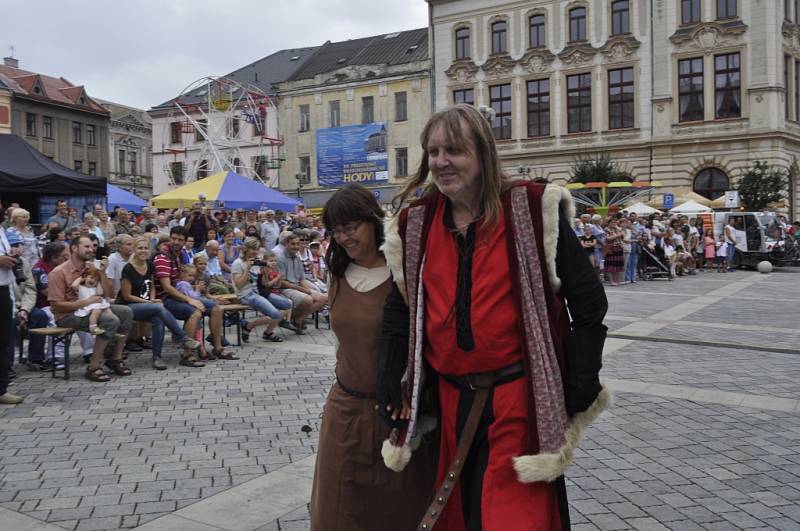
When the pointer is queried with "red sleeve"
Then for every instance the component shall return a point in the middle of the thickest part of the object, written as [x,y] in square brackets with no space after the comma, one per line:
[162,266]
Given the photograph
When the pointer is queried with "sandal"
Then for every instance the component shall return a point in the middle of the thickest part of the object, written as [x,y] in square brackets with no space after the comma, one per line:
[224,355]
[192,361]
[98,374]
[246,332]
[268,336]
[118,367]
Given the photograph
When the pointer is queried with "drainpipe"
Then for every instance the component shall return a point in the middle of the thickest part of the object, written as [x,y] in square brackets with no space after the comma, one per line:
[432,56]
[652,90]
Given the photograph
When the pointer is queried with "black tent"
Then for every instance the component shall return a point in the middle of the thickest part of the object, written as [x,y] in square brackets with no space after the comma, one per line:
[24,170]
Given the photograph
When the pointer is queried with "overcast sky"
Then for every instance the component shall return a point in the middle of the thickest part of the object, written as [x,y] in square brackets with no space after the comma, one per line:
[143,52]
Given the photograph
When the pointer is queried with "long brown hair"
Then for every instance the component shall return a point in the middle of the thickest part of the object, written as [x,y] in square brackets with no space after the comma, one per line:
[353,202]
[458,121]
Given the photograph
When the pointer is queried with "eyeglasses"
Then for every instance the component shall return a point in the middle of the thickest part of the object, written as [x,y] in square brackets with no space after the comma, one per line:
[348,230]
[303,239]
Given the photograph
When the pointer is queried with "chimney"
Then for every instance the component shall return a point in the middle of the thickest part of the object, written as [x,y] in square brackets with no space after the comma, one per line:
[10,61]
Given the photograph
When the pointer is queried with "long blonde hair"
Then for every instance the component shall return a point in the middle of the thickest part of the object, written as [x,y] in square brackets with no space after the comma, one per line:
[134,259]
[493,181]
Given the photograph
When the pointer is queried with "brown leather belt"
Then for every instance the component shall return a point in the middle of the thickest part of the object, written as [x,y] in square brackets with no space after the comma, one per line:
[482,384]
[354,393]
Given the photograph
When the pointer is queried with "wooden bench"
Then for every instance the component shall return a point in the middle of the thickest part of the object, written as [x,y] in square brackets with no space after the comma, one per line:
[57,335]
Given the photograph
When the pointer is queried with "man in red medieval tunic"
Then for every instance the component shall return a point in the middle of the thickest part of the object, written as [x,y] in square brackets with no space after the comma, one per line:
[497,312]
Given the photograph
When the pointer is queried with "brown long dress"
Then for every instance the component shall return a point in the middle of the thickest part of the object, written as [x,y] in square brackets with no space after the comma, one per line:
[353,490]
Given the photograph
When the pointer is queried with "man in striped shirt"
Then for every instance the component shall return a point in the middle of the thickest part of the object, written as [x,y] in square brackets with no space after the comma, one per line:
[168,269]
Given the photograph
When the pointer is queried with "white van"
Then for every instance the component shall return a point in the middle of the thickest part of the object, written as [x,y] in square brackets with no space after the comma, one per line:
[759,236]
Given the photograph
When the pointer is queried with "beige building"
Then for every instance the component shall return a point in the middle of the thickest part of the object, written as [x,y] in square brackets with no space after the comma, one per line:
[687,94]
[380,82]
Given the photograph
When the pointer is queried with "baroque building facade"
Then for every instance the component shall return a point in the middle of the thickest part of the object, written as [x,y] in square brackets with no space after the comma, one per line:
[130,149]
[684,92]
[354,113]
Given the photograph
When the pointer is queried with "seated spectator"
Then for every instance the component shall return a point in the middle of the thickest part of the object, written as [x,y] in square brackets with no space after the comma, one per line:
[245,275]
[684,262]
[218,285]
[41,316]
[319,270]
[64,303]
[168,271]
[230,252]
[306,299]
[117,261]
[269,286]
[139,294]
[188,252]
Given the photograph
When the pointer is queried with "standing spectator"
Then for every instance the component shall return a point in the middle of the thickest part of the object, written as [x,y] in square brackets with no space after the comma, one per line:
[163,224]
[627,243]
[19,226]
[633,259]
[589,243]
[613,253]
[197,226]
[53,255]
[230,252]
[729,236]
[8,259]
[63,300]
[61,216]
[251,220]
[123,224]
[146,218]
[108,230]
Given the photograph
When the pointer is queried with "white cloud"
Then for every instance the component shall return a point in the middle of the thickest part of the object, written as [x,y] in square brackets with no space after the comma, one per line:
[144,52]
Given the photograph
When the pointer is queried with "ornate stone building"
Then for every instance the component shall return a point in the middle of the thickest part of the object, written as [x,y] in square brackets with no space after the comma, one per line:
[686,92]
[130,149]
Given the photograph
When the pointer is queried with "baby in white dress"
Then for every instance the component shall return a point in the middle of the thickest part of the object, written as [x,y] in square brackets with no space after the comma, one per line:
[88,285]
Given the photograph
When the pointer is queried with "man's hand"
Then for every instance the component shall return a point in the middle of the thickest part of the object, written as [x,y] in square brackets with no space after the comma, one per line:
[103,264]
[7,262]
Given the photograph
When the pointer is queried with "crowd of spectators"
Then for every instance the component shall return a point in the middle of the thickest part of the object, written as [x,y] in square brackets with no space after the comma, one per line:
[121,280]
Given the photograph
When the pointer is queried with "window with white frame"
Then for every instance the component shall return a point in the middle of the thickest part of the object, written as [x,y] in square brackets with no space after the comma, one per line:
[579,103]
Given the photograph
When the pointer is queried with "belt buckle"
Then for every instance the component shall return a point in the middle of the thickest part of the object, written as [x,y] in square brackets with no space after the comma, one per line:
[469,383]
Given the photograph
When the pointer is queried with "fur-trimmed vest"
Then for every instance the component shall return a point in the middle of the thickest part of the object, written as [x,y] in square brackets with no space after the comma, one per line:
[531,213]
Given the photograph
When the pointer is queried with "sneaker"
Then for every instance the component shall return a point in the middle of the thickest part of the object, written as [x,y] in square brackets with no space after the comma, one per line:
[190,343]
[10,399]
[133,347]
[145,343]
[158,364]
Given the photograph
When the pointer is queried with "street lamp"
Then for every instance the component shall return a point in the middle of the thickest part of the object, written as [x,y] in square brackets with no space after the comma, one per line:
[299,177]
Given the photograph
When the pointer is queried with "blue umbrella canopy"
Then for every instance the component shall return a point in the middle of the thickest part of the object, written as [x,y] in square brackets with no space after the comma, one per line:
[118,197]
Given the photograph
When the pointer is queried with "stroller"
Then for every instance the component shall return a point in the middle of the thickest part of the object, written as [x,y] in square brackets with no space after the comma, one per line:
[653,264]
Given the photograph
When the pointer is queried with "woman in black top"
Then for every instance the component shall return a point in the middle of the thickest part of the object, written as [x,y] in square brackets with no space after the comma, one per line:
[588,242]
[137,291]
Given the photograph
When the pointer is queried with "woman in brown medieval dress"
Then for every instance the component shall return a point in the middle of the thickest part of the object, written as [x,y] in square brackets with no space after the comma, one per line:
[352,489]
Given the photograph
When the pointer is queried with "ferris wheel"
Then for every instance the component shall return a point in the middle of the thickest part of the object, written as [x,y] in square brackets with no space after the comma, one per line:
[223,125]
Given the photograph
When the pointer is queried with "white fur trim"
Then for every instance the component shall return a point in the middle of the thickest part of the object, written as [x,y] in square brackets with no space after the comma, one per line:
[395,457]
[392,249]
[554,196]
[548,467]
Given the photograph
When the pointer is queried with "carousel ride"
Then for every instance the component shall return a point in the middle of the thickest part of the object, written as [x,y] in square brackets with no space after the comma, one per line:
[602,198]
[225,125]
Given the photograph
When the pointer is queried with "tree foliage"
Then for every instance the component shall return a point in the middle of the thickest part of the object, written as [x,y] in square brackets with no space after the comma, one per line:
[762,184]
[597,168]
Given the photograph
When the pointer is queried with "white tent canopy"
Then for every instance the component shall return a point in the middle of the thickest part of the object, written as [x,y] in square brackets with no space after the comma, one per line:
[690,207]
[640,209]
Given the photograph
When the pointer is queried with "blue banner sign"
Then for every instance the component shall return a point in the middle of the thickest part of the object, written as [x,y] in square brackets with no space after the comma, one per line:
[352,154]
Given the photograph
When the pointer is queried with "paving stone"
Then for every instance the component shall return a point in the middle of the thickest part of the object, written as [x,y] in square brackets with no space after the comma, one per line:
[113,510]
[155,507]
[98,524]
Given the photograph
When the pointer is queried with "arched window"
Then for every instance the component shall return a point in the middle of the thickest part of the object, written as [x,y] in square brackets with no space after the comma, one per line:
[711,183]
[499,37]
[577,24]
[462,43]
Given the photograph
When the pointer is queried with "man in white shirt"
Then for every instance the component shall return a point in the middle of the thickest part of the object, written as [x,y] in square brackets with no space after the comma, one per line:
[118,260]
[211,253]
[270,230]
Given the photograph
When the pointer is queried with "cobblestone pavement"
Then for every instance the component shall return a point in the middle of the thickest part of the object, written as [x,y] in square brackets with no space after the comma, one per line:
[700,437]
